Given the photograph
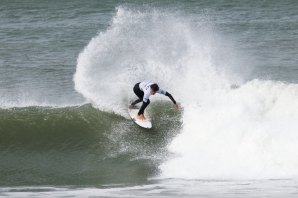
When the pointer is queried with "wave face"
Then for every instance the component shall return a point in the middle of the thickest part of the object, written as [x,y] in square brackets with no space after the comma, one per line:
[243,132]
[80,145]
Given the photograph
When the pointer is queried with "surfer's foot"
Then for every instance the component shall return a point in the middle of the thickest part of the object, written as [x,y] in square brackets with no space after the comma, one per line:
[141,117]
[130,106]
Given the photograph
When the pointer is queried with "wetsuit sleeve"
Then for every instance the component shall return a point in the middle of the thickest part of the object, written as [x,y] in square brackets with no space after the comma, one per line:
[171,97]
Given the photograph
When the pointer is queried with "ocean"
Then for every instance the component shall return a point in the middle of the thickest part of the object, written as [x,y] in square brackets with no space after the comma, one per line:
[67,70]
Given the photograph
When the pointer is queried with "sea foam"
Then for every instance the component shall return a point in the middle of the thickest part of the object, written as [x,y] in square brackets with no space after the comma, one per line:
[247,131]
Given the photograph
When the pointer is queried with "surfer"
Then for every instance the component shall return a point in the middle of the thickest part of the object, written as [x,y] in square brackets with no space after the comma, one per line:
[144,90]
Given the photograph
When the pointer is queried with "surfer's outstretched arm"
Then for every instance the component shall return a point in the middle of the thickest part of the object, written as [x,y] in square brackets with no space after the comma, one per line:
[171,97]
[173,100]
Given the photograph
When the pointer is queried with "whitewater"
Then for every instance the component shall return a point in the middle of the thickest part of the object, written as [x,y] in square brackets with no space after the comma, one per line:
[232,128]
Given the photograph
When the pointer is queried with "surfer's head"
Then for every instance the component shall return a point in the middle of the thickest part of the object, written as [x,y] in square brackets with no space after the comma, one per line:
[154,88]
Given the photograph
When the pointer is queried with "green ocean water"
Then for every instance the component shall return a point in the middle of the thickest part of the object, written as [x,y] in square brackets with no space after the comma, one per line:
[78,145]
[66,74]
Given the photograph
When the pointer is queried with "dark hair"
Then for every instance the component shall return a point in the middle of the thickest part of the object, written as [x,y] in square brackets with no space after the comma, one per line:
[154,87]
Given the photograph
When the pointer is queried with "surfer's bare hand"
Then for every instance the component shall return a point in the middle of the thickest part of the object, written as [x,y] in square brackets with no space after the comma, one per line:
[177,106]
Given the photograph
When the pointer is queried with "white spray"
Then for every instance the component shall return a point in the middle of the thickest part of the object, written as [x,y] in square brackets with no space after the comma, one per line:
[249,132]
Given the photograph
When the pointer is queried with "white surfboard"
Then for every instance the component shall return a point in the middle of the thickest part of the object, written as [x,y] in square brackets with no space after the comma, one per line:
[142,123]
